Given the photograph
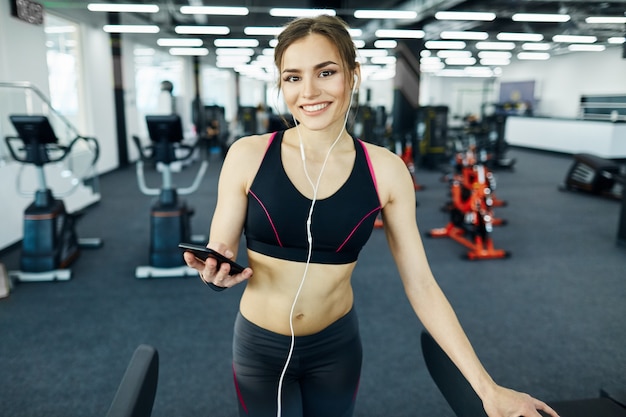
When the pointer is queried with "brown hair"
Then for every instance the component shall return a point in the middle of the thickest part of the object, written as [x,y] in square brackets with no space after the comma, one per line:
[333,28]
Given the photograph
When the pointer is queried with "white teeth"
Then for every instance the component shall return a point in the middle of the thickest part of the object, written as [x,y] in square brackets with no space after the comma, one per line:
[315,107]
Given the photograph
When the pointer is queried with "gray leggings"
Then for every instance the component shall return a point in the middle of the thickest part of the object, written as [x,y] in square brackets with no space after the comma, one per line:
[322,378]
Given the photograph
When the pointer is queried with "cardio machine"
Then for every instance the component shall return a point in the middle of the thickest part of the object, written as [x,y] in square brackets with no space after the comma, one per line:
[170,217]
[50,242]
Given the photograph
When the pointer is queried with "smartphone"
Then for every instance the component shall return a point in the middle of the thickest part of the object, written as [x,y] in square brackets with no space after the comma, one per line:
[204,253]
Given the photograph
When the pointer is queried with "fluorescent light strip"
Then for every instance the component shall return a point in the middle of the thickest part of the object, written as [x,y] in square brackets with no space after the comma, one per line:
[399,33]
[262,31]
[60,29]
[616,40]
[385,14]
[123,8]
[444,44]
[527,37]
[236,43]
[355,33]
[606,19]
[215,10]
[131,28]
[495,55]
[574,39]
[482,16]
[499,46]
[202,30]
[540,17]
[473,36]
[383,60]
[494,61]
[189,42]
[540,46]
[454,54]
[533,56]
[385,44]
[460,61]
[576,47]
[189,51]
[234,51]
[368,53]
[295,12]
[358,43]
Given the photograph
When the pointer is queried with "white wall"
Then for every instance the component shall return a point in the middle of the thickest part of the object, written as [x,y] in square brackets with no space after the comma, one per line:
[562,80]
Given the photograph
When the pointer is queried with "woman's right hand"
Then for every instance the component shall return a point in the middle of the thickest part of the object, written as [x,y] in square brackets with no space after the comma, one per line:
[209,272]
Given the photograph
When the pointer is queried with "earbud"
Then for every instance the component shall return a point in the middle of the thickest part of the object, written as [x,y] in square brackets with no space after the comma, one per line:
[356,81]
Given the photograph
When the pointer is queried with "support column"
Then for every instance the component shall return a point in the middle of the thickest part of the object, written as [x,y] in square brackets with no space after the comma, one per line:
[118,90]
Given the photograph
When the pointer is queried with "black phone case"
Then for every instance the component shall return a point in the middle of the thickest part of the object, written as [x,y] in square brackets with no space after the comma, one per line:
[204,253]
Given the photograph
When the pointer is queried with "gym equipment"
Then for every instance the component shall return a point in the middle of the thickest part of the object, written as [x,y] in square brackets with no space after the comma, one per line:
[471,213]
[621,228]
[137,390]
[595,175]
[432,135]
[170,217]
[464,401]
[50,243]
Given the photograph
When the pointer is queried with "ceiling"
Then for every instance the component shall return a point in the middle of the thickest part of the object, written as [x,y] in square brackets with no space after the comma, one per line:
[169,16]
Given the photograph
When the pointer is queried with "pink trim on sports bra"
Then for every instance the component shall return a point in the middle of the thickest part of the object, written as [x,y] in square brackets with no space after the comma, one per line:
[269,218]
[369,165]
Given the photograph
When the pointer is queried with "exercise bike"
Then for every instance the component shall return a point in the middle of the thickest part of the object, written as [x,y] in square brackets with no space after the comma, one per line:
[170,217]
[50,242]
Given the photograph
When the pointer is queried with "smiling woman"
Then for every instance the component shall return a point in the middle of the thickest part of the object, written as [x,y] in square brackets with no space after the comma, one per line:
[306,199]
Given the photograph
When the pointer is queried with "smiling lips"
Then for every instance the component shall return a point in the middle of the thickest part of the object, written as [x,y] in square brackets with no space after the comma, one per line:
[315,107]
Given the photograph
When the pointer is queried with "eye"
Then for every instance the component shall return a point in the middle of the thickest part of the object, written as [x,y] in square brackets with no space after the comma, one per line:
[327,73]
[291,78]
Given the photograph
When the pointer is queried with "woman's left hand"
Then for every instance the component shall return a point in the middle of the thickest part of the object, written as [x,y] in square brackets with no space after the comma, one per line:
[505,402]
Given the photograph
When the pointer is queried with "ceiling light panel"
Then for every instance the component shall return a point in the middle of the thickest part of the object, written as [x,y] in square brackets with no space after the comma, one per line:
[215,10]
[296,12]
[236,43]
[540,17]
[606,19]
[574,39]
[479,16]
[263,30]
[123,8]
[385,14]
[536,46]
[526,37]
[497,46]
[463,35]
[131,28]
[188,42]
[444,44]
[202,30]
[399,33]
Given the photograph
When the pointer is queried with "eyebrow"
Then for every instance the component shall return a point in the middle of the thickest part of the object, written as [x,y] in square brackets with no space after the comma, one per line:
[317,66]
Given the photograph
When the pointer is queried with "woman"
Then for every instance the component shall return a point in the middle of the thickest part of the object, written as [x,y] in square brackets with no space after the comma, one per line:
[307,199]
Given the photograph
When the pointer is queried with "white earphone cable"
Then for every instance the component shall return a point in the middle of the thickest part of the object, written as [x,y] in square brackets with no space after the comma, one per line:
[315,187]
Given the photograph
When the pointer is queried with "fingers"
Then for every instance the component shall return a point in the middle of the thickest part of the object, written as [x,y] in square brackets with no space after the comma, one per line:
[212,273]
[540,405]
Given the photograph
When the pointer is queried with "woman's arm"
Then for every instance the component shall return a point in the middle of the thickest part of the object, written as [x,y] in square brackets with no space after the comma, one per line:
[426,297]
[237,171]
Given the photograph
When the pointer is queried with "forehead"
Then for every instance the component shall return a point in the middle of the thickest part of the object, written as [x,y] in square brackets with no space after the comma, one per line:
[310,51]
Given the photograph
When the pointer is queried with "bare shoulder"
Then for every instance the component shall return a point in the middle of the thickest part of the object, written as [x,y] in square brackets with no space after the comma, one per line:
[245,154]
[385,163]
[391,172]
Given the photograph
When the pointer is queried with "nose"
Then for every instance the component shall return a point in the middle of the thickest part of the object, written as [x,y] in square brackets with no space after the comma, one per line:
[309,87]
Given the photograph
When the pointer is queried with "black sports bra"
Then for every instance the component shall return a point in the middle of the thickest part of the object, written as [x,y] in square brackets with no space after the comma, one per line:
[341,224]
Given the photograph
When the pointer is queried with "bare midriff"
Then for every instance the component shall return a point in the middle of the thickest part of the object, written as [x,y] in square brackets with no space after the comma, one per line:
[325,297]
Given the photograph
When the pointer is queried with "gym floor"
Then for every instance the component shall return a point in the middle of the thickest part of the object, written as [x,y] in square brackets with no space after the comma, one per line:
[549,320]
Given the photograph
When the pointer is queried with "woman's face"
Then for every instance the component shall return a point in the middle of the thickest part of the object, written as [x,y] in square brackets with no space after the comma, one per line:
[313,83]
